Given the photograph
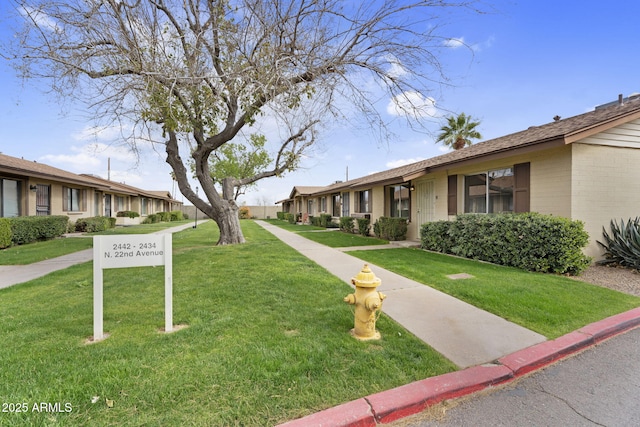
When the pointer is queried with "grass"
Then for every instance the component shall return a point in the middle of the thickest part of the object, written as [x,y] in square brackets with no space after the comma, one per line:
[548,304]
[334,238]
[267,341]
[40,251]
[295,228]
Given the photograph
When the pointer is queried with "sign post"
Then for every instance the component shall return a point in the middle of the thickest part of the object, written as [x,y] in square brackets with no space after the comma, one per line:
[133,250]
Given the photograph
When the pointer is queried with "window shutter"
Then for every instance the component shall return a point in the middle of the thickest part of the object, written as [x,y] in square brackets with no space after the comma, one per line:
[83,201]
[522,182]
[452,195]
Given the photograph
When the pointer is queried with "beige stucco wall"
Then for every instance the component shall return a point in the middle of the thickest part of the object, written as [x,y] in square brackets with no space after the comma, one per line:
[551,182]
[606,186]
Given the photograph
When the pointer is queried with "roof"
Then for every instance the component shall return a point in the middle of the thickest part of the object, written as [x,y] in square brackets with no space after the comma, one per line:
[22,167]
[556,133]
[18,166]
[119,187]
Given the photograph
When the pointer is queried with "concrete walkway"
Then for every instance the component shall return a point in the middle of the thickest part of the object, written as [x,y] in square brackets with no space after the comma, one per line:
[461,332]
[13,274]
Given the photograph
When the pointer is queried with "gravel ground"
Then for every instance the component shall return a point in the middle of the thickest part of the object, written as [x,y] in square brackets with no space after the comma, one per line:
[621,279]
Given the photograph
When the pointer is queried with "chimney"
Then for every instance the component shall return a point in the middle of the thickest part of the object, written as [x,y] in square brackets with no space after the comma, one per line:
[620,102]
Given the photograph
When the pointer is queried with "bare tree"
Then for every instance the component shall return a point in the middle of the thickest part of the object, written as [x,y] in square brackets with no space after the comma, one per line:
[202,73]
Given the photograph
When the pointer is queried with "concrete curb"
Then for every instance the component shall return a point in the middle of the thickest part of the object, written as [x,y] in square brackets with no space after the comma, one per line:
[409,399]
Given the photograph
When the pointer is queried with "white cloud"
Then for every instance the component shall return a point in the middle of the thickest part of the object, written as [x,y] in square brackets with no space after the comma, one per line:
[100,133]
[41,19]
[396,68]
[455,43]
[458,42]
[412,104]
[116,152]
[78,163]
[402,162]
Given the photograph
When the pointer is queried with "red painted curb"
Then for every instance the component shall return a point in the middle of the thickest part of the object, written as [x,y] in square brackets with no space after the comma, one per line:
[613,325]
[545,353]
[412,398]
[356,413]
[409,399]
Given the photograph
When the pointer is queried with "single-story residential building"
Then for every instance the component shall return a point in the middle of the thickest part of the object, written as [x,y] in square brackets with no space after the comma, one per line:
[585,167]
[29,188]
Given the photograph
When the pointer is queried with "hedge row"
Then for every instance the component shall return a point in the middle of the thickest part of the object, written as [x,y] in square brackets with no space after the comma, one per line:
[530,241]
[164,217]
[5,233]
[94,224]
[324,220]
[27,229]
[127,214]
[388,228]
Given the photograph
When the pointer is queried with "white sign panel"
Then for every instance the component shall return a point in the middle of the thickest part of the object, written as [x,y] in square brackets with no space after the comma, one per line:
[133,250]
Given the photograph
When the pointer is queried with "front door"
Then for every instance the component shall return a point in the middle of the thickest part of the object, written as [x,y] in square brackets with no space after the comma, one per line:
[425,202]
[43,200]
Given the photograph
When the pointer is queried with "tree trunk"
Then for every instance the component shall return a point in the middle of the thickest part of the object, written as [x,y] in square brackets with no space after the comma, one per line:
[229,224]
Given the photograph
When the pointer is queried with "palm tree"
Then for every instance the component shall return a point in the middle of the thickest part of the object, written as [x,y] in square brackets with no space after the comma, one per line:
[459,131]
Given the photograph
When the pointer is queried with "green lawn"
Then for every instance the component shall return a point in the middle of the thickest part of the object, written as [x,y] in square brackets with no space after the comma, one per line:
[332,238]
[548,304]
[40,251]
[267,341]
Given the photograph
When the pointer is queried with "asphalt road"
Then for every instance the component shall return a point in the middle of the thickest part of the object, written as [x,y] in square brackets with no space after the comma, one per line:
[598,387]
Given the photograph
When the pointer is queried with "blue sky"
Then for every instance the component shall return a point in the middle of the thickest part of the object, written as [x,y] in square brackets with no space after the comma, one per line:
[530,60]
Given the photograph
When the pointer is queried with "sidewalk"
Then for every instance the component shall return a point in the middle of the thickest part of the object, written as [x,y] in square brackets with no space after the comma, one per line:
[459,331]
[13,274]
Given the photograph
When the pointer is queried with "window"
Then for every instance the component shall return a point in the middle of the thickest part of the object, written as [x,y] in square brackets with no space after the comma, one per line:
[310,206]
[363,201]
[323,204]
[120,206]
[399,201]
[144,205]
[489,192]
[335,203]
[73,199]
[345,204]
[9,198]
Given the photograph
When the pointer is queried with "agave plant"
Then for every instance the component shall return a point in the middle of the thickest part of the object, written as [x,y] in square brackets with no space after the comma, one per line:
[623,245]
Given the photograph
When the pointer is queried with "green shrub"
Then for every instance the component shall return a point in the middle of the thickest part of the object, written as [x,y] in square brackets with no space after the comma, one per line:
[151,219]
[530,241]
[163,216]
[434,236]
[363,226]
[5,233]
[176,216]
[390,228]
[289,217]
[27,229]
[94,224]
[127,214]
[622,247]
[280,215]
[346,224]
[325,220]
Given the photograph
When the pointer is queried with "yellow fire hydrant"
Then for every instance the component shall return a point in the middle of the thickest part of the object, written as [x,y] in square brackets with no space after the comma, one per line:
[367,302]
